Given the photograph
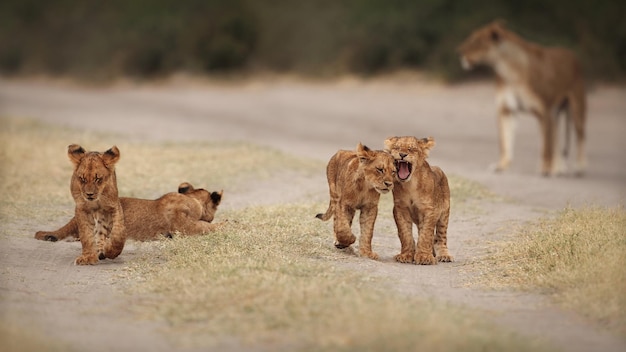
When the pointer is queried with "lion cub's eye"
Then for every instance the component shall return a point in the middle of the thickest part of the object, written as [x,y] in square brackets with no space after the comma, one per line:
[82,179]
[380,170]
[98,179]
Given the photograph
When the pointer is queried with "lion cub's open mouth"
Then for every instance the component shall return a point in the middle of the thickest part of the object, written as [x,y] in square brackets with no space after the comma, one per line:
[403,169]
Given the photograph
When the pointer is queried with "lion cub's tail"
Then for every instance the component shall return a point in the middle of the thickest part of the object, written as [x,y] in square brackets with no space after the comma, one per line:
[328,214]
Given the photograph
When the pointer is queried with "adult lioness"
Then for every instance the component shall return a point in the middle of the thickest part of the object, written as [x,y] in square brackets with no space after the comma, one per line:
[188,212]
[543,81]
[355,181]
[421,195]
[99,216]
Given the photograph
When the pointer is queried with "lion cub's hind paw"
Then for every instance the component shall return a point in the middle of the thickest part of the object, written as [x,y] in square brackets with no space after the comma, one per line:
[368,254]
[404,258]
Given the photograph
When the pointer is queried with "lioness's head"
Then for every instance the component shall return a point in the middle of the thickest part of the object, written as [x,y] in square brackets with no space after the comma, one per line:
[408,153]
[481,47]
[94,173]
[377,166]
[209,200]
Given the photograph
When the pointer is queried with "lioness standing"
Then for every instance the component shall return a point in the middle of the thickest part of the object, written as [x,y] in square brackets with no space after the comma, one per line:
[531,78]
[356,179]
[98,212]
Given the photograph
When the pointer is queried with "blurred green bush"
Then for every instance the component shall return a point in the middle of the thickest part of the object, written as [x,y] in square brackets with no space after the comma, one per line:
[151,38]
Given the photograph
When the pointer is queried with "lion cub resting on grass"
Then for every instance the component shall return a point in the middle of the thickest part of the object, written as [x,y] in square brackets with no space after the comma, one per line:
[421,195]
[356,180]
[98,216]
[188,212]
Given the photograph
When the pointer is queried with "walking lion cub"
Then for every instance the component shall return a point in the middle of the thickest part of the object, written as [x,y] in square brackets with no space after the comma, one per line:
[356,179]
[99,215]
[421,195]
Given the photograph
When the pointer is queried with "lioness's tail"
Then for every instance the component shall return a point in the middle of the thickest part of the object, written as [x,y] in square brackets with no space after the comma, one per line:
[329,212]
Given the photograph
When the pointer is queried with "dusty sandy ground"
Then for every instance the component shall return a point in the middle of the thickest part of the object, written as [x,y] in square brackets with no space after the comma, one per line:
[83,306]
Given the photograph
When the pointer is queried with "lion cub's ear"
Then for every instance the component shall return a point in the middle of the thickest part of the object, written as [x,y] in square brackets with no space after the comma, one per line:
[216,197]
[364,153]
[111,156]
[427,144]
[75,153]
[185,188]
[389,143]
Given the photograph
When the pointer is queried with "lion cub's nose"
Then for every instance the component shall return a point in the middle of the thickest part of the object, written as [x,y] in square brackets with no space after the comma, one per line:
[402,155]
[388,184]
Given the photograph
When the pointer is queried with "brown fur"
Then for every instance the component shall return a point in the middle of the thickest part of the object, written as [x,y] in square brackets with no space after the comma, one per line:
[543,81]
[99,215]
[188,212]
[355,181]
[421,195]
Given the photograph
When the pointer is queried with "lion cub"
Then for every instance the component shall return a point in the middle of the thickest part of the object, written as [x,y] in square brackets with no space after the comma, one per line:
[189,211]
[99,216]
[421,195]
[355,181]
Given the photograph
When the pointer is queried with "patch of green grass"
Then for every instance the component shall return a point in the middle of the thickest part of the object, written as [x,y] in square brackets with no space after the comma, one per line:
[577,256]
[270,279]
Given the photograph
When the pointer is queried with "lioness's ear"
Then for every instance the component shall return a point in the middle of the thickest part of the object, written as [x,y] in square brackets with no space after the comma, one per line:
[185,188]
[497,27]
[111,156]
[76,153]
[216,197]
[363,153]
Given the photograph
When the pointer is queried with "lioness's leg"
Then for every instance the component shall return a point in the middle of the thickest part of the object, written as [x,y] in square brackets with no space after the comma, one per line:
[577,114]
[426,230]
[367,219]
[548,131]
[404,223]
[506,125]
[68,230]
[343,226]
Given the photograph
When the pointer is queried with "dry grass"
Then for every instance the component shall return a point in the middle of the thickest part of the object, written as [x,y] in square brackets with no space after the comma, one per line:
[577,256]
[267,278]
[35,170]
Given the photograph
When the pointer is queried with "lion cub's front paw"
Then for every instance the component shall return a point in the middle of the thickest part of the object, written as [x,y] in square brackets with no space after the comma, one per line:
[368,254]
[86,259]
[446,258]
[425,259]
[404,258]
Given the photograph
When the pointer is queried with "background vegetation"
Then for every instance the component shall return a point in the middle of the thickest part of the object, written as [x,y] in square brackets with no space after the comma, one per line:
[151,38]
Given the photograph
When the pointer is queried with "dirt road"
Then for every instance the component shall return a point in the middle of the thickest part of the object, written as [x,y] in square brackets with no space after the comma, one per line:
[314,120]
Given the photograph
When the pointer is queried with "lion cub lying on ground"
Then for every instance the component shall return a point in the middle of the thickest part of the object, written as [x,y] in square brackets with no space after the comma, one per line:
[188,212]
[421,195]
[98,216]
[355,181]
